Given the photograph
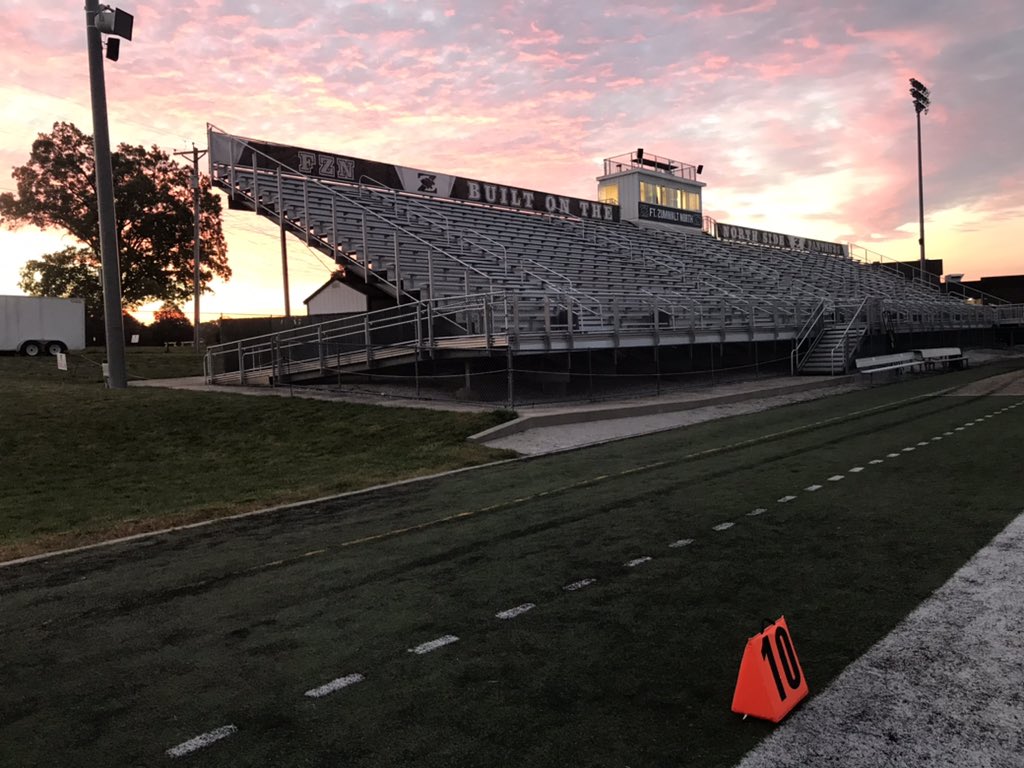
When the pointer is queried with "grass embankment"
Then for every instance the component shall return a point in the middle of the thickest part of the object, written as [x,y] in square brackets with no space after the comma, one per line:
[83,463]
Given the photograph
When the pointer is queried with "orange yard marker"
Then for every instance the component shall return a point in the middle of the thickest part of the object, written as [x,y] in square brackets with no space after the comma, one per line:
[770,682]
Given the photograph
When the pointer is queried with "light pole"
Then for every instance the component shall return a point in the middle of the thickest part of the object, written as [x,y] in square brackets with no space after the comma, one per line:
[922,100]
[105,19]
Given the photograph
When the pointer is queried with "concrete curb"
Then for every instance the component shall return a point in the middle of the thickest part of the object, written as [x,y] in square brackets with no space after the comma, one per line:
[598,413]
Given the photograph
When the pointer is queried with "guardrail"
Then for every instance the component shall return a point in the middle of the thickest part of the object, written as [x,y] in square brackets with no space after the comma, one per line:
[482,322]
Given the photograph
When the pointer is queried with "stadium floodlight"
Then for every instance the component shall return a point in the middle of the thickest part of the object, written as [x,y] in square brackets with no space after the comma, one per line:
[114,21]
[922,101]
[99,20]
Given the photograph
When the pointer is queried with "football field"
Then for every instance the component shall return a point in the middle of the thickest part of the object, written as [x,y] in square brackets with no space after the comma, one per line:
[583,608]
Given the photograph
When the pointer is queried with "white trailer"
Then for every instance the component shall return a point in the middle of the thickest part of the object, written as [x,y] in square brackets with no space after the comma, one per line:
[33,325]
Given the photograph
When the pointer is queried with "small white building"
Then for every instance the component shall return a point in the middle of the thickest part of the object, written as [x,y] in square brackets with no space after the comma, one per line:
[335,297]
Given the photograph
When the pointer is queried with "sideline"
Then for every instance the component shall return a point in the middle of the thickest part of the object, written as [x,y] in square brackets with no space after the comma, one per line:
[941,689]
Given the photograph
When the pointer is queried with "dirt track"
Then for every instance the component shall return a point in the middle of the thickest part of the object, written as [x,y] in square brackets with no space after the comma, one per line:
[1005,384]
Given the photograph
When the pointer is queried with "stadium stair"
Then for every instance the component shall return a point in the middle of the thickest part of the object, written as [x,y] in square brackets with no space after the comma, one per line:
[834,350]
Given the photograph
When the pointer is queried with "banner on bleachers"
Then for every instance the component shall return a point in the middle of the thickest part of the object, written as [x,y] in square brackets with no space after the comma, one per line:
[670,215]
[327,166]
[777,240]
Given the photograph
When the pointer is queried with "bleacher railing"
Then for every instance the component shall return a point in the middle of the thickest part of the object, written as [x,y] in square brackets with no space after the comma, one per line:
[270,182]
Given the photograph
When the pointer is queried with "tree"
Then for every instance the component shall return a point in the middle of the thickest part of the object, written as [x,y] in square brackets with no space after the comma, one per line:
[170,324]
[153,203]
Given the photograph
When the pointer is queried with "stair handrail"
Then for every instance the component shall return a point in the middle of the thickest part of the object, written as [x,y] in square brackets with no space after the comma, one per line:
[334,190]
[843,339]
[815,323]
[394,193]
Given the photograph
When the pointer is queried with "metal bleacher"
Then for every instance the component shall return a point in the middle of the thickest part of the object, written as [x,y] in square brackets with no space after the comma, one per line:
[467,279]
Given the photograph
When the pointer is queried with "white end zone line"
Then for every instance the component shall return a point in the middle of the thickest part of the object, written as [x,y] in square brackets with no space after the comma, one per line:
[433,645]
[203,740]
[334,685]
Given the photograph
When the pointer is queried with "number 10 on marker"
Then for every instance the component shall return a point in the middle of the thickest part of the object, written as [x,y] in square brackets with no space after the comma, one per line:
[770,681]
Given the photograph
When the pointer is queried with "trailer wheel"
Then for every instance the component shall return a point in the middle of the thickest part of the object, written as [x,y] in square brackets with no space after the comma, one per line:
[54,348]
[32,349]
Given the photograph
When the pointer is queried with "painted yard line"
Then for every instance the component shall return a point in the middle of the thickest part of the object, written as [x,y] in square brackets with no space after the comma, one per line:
[892,456]
[756,512]
[855,470]
[203,740]
[433,645]
[723,526]
[923,442]
[947,434]
[519,610]
[877,461]
[637,561]
[577,585]
[785,499]
[681,543]
[836,478]
[936,438]
[959,429]
[909,448]
[812,488]
[334,685]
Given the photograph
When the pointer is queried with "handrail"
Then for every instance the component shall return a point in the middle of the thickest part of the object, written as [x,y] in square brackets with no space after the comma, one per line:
[334,190]
[429,214]
[394,194]
[814,321]
[843,338]
[916,275]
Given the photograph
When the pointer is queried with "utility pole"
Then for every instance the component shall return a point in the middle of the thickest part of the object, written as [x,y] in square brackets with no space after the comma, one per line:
[922,100]
[196,239]
[117,375]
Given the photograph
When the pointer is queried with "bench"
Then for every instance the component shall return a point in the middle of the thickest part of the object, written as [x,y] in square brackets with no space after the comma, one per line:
[952,357]
[928,359]
[880,363]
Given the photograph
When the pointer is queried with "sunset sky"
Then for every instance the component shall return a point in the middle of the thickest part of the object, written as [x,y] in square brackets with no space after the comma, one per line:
[799,110]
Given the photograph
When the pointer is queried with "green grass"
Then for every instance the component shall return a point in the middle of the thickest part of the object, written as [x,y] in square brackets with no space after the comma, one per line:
[83,462]
[113,656]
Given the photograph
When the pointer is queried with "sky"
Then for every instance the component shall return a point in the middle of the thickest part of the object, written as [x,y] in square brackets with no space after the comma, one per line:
[799,110]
